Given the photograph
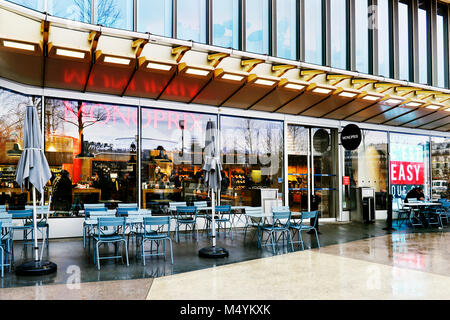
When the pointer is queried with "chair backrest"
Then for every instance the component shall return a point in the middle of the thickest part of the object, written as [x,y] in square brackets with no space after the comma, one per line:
[200,204]
[127,205]
[114,222]
[177,204]
[87,212]
[253,210]
[310,215]
[94,205]
[412,200]
[3,208]
[5,217]
[281,216]
[21,214]
[160,222]
[125,211]
[187,212]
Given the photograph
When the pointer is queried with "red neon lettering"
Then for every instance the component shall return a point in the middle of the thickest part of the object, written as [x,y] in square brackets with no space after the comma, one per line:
[196,121]
[69,76]
[67,107]
[171,120]
[117,111]
[156,119]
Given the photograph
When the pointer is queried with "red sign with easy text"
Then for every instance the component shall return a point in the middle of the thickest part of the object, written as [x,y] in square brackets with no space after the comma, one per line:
[403,172]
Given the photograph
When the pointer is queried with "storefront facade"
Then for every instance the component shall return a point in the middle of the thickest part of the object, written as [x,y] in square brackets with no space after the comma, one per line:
[146,146]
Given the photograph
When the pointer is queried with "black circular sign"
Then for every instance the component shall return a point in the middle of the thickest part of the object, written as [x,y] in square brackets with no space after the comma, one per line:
[321,140]
[351,137]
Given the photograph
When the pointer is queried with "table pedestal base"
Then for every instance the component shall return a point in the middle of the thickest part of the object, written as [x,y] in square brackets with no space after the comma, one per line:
[213,252]
[36,268]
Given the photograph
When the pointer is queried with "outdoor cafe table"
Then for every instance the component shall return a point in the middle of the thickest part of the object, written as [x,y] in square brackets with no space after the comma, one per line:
[421,206]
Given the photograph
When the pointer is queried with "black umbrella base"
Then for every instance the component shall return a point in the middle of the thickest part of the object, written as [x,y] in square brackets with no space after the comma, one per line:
[213,252]
[38,268]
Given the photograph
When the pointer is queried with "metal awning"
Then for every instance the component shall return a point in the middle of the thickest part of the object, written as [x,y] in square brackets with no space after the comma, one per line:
[52,52]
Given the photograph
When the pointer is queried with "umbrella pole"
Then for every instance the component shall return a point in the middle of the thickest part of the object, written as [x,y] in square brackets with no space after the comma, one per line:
[213,212]
[36,247]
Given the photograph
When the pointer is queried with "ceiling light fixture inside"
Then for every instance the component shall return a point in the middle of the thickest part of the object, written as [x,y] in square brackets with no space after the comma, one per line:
[265,82]
[117,60]
[371,98]
[413,104]
[322,90]
[197,72]
[347,94]
[433,107]
[392,101]
[70,53]
[232,77]
[294,86]
[18,45]
[159,66]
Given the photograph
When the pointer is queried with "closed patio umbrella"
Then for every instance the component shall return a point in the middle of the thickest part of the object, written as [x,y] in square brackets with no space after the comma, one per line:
[213,178]
[33,169]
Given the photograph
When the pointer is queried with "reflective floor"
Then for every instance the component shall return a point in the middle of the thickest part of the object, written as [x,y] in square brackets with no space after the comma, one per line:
[355,261]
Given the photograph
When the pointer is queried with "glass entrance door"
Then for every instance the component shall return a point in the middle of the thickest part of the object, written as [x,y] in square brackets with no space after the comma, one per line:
[312,169]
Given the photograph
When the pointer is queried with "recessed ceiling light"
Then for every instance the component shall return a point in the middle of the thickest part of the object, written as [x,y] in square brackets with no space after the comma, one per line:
[197,72]
[413,104]
[294,86]
[371,98]
[159,66]
[70,53]
[18,45]
[117,60]
[264,82]
[392,101]
[433,107]
[321,90]
[232,77]
[347,94]
[448,110]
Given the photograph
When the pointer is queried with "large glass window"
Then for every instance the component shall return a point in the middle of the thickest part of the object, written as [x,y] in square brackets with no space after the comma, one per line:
[384,45]
[362,36]
[252,159]
[423,42]
[338,33]
[79,10]
[191,20]
[226,23]
[313,31]
[155,16]
[12,116]
[257,26]
[367,167]
[440,167]
[404,35]
[91,150]
[32,4]
[287,29]
[409,164]
[172,156]
[442,46]
[114,13]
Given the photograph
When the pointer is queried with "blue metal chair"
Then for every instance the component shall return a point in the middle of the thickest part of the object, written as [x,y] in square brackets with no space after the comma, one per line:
[186,216]
[127,205]
[5,247]
[27,227]
[223,216]
[281,223]
[87,228]
[3,208]
[123,211]
[201,204]
[148,234]
[253,221]
[106,235]
[299,227]
[43,222]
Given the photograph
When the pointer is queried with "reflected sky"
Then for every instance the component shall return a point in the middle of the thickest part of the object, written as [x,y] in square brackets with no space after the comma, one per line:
[338,34]
[362,36]
[423,54]
[440,51]
[226,23]
[32,4]
[78,10]
[286,29]
[155,16]
[313,31]
[403,30]
[114,13]
[257,26]
[191,20]
[383,38]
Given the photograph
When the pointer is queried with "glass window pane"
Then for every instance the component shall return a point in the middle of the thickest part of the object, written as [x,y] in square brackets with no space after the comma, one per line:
[114,13]
[172,156]
[440,167]
[257,26]
[93,147]
[404,48]
[362,36]
[441,41]
[32,4]
[423,44]
[287,29]
[191,20]
[252,158]
[78,10]
[155,16]
[339,34]
[12,116]
[313,31]
[384,45]
[226,23]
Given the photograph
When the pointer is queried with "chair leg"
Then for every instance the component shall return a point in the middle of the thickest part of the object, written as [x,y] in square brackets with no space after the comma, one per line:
[300,238]
[317,238]
[273,242]
[143,251]
[2,261]
[98,256]
[171,252]
[126,251]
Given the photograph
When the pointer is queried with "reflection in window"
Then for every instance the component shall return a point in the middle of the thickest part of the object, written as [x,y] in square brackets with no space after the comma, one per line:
[362,36]
[191,20]
[257,26]
[12,117]
[287,29]
[251,158]
[32,4]
[114,13]
[367,167]
[155,16]
[423,43]
[440,167]
[313,31]
[441,46]
[404,48]
[338,34]
[78,10]
[384,60]
[226,23]
[172,156]
[91,146]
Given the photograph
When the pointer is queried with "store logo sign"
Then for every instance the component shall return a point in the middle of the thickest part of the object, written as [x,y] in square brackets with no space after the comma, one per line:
[403,172]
